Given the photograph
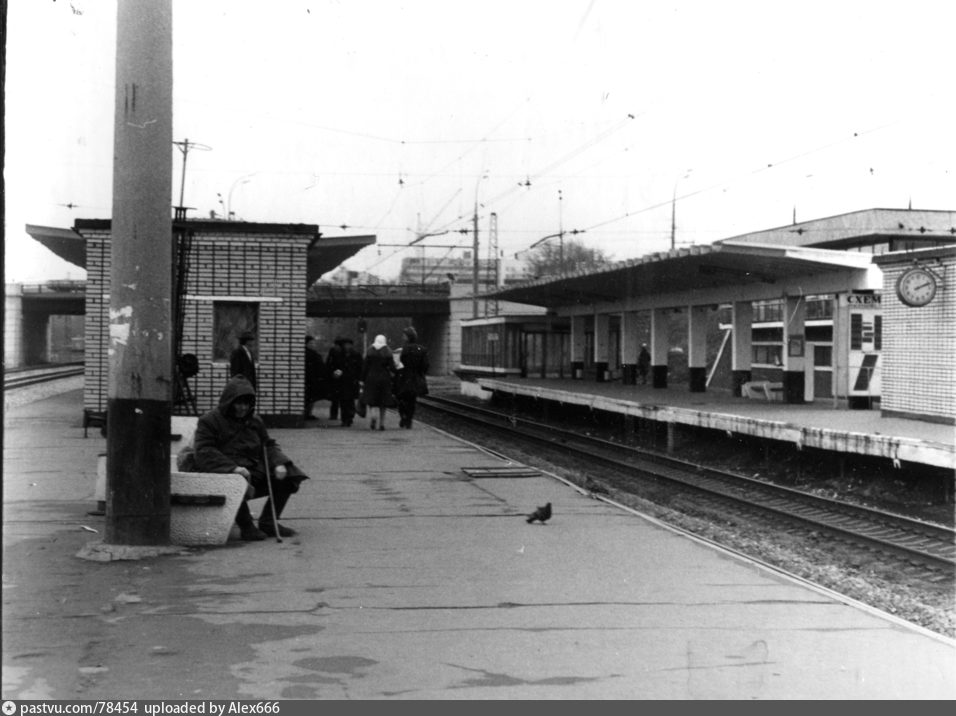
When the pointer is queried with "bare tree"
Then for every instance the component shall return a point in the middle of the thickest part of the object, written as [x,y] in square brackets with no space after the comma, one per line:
[554,259]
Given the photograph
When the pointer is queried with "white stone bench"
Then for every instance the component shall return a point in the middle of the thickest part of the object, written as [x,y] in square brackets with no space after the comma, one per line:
[203,504]
[762,390]
[200,523]
[203,520]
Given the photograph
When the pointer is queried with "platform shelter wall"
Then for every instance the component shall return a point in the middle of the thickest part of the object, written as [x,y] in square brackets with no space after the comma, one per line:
[919,345]
[265,273]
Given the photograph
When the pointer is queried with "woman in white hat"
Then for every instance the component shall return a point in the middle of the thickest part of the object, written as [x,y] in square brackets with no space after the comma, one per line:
[377,372]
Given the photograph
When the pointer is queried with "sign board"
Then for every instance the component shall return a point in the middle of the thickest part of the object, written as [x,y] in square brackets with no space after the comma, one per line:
[861,300]
[866,343]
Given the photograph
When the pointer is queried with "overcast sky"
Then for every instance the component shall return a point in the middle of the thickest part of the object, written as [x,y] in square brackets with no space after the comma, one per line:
[389,117]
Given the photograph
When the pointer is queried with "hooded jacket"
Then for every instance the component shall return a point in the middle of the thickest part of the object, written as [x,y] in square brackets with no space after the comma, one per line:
[224,442]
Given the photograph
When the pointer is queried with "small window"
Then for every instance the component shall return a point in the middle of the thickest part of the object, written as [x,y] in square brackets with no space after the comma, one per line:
[230,320]
[856,331]
[767,355]
[768,311]
[823,356]
[819,308]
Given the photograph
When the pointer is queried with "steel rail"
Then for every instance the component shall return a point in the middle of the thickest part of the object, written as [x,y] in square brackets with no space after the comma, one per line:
[24,377]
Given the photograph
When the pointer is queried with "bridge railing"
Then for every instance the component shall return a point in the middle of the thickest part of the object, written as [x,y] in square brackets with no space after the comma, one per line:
[56,286]
[391,290]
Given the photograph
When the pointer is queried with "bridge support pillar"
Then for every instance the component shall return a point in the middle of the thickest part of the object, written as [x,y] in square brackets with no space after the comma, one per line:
[13,326]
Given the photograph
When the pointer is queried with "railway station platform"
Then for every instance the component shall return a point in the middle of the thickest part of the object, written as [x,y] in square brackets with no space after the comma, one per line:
[410,579]
[814,425]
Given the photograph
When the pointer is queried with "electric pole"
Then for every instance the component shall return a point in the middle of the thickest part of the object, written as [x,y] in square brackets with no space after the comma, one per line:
[184,147]
[140,326]
[561,231]
[474,259]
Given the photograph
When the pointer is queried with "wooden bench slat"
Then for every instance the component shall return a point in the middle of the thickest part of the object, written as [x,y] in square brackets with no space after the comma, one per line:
[198,500]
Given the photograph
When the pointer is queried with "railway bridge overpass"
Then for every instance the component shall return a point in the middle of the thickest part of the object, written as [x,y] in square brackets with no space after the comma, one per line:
[31,310]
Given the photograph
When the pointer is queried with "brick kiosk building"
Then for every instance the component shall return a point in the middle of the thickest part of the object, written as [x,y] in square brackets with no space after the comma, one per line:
[238,276]
[919,345]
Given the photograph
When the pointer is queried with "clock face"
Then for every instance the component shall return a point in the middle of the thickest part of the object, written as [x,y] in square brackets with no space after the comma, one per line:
[916,287]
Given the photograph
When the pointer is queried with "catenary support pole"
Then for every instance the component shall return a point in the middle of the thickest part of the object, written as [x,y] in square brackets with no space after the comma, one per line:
[140,328]
[475,265]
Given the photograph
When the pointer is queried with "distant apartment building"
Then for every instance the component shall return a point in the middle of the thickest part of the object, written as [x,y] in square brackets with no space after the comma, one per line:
[460,269]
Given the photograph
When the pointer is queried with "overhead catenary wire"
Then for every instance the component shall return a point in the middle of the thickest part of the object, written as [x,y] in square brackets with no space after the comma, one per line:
[593,141]
[532,178]
[730,182]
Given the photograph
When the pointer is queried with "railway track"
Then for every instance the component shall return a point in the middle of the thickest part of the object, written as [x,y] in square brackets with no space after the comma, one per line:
[24,377]
[917,545]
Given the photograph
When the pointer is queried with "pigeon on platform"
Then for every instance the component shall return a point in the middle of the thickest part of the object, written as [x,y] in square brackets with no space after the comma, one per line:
[595,487]
[543,514]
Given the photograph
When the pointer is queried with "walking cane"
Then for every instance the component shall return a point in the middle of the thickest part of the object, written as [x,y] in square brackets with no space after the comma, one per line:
[272,500]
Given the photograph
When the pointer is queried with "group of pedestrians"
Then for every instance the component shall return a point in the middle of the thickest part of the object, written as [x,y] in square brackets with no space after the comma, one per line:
[232,438]
[382,379]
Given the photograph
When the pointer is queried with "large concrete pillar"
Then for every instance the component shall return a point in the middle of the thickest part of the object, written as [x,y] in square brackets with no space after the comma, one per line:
[660,345]
[794,348]
[434,332]
[578,343]
[742,345]
[140,328]
[630,346]
[602,339]
[697,348]
[13,356]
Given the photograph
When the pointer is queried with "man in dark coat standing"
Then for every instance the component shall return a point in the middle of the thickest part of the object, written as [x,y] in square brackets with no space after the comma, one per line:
[233,439]
[242,362]
[643,363]
[344,367]
[411,382]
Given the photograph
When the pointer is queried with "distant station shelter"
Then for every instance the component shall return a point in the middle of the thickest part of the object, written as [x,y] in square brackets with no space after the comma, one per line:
[853,309]
[230,277]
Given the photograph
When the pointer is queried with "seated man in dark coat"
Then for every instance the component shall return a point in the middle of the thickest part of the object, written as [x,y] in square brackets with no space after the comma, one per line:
[232,438]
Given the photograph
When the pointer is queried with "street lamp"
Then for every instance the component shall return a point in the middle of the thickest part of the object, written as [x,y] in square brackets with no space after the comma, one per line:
[674,210]
[559,235]
[241,180]
[422,237]
[561,230]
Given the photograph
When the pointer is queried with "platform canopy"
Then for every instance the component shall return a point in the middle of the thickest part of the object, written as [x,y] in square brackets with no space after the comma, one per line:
[325,253]
[65,243]
[897,228]
[722,271]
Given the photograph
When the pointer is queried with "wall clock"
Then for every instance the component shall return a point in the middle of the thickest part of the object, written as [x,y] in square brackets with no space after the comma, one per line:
[916,286]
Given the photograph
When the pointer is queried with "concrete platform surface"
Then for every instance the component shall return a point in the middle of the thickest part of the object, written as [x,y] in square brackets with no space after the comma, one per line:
[820,413]
[818,424]
[410,580]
